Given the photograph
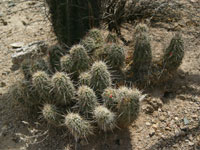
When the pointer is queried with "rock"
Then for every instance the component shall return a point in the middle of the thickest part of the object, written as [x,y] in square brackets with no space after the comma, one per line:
[148,123]
[17,45]
[162,118]
[155,126]
[2,84]
[156,103]
[151,132]
[148,109]
[186,121]
[32,50]
[191,143]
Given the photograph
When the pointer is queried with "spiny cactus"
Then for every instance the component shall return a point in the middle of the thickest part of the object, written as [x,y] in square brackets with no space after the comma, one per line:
[84,78]
[97,36]
[78,127]
[42,84]
[55,54]
[111,38]
[26,69]
[72,19]
[116,55]
[174,54]
[105,118]
[66,64]
[80,58]
[23,93]
[142,57]
[100,77]
[50,114]
[128,107]
[87,100]
[141,28]
[89,44]
[40,65]
[63,88]
[111,98]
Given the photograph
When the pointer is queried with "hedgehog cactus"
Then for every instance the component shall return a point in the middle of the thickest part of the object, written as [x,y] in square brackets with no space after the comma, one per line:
[39,65]
[128,107]
[84,78]
[97,36]
[141,28]
[42,84]
[50,114]
[104,118]
[78,127]
[100,77]
[23,93]
[142,57]
[111,38]
[89,44]
[87,100]
[63,88]
[66,63]
[55,54]
[174,54]
[110,98]
[116,55]
[80,58]
[26,69]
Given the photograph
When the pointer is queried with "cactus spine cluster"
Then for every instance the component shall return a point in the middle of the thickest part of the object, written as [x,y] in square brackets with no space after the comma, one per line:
[55,54]
[105,118]
[42,84]
[63,88]
[128,107]
[115,56]
[66,63]
[110,98]
[142,56]
[97,36]
[174,54]
[78,127]
[40,65]
[26,69]
[84,78]
[50,114]
[81,60]
[100,77]
[89,44]
[87,100]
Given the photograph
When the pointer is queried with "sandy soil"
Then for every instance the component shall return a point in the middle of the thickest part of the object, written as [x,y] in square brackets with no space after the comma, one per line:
[173,124]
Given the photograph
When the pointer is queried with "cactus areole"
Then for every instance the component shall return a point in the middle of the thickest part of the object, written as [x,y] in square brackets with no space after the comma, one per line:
[71,19]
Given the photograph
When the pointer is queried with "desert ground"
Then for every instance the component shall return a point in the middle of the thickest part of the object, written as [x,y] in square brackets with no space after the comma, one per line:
[169,117]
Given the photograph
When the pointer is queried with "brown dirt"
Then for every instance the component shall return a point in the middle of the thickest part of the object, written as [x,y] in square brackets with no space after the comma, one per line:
[169,118]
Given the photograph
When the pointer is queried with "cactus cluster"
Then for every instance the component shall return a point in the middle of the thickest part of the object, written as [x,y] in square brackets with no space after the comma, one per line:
[84,93]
